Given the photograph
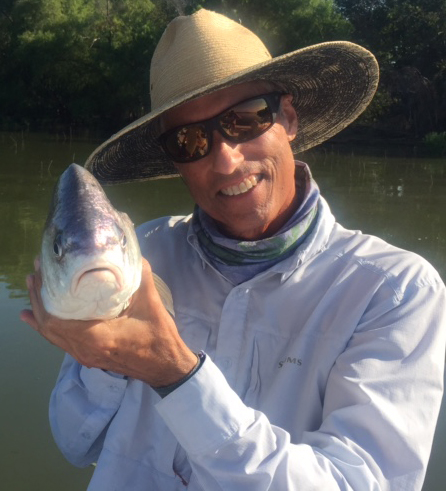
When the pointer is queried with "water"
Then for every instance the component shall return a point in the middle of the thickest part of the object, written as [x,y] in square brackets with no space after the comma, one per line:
[402,200]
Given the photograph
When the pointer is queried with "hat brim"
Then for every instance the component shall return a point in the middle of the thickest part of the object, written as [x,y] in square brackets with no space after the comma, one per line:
[331,84]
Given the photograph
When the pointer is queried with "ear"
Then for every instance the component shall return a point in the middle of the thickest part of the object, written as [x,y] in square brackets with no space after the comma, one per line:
[288,116]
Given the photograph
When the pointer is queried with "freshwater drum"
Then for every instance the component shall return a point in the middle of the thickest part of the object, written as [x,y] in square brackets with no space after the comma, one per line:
[90,257]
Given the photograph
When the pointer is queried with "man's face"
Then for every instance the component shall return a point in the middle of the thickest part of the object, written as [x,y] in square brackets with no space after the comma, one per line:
[247,188]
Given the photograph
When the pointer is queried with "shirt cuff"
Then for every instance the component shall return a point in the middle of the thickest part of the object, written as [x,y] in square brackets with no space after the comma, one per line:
[167,389]
[204,413]
[103,389]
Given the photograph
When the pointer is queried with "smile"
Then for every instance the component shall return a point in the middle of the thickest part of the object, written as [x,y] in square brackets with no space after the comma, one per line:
[241,188]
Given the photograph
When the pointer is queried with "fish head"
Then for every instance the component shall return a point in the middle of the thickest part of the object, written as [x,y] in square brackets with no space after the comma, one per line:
[90,257]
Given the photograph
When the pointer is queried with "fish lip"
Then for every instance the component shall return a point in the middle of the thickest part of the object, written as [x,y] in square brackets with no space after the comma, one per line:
[95,266]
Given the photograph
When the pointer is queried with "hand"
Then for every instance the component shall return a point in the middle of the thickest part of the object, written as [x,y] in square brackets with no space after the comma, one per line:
[142,343]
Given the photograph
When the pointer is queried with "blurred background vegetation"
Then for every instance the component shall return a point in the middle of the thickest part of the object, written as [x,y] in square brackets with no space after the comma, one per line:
[76,64]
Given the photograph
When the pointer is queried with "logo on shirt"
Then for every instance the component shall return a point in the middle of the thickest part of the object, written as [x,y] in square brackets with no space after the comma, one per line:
[288,359]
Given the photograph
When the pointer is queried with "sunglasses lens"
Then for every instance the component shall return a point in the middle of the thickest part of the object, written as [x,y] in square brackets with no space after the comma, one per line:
[240,123]
[188,143]
[247,120]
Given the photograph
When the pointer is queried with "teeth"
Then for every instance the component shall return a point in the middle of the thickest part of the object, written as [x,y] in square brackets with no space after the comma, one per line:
[241,188]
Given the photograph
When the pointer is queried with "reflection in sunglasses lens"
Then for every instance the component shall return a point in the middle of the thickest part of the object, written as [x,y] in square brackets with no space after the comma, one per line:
[246,120]
[189,142]
[240,123]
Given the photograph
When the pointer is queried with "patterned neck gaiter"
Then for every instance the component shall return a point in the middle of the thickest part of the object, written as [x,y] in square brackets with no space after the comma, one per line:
[240,260]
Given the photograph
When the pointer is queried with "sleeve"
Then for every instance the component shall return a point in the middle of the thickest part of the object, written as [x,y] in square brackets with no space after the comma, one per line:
[83,403]
[380,409]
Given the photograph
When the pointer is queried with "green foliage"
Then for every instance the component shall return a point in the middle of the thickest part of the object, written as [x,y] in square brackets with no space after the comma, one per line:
[435,144]
[286,25]
[408,38]
[77,61]
[397,31]
[86,62]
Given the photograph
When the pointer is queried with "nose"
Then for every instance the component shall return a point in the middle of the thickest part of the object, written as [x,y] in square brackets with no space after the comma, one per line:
[226,155]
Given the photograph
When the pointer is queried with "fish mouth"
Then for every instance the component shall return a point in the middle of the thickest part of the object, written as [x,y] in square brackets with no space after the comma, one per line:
[97,274]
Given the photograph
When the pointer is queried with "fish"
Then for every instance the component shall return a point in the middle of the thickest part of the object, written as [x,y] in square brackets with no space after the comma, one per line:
[90,258]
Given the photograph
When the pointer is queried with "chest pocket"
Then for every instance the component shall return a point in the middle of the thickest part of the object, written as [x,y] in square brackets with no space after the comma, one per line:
[285,384]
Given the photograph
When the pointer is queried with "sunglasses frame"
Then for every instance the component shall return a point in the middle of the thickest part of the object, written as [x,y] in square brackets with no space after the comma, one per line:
[272,100]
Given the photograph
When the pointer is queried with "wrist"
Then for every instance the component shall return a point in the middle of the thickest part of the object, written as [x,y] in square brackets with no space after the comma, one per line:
[165,390]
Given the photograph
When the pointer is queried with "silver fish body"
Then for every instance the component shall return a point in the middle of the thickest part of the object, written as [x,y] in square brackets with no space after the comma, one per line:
[90,257]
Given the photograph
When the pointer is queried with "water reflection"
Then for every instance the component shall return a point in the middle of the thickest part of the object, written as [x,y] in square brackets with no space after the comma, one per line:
[402,200]
[31,165]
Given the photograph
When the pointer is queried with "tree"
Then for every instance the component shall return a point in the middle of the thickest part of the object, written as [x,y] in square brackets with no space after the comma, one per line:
[86,62]
[409,39]
[286,25]
[77,61]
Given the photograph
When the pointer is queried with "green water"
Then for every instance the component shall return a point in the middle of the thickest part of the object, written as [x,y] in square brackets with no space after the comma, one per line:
[400,199]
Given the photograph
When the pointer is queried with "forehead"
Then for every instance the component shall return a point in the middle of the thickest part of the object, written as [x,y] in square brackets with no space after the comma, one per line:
[211,104]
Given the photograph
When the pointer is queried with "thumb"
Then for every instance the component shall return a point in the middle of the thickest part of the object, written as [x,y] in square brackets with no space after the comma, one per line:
[154,290]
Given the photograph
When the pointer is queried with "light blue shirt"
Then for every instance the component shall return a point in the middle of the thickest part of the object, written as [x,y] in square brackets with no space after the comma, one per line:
[324,372]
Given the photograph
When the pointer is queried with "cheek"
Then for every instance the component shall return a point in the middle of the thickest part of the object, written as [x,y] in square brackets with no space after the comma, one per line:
[194,180]
[277,152]
[186,172]
[275,143]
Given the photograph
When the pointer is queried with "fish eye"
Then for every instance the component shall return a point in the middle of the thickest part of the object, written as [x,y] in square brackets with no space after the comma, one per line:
[57,246]
[123,240]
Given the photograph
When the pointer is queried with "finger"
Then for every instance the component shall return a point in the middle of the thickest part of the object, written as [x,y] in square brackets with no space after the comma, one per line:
[146,264]
[27,316]
[147,286]
[148,291]
[38,281]
[35,299]
[146,273]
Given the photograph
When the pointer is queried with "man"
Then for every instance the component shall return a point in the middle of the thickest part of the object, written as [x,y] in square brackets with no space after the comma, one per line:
[302,356]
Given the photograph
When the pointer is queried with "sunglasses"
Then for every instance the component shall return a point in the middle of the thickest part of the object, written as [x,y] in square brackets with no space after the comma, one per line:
[240,123]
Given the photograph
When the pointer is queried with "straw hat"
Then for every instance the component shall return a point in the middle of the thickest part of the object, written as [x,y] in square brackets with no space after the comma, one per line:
[331,83]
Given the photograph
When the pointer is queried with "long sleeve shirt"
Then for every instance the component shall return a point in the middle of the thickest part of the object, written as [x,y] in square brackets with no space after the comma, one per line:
[323,372]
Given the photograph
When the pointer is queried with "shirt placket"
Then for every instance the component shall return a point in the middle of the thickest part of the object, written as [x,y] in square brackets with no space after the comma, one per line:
[231,334]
